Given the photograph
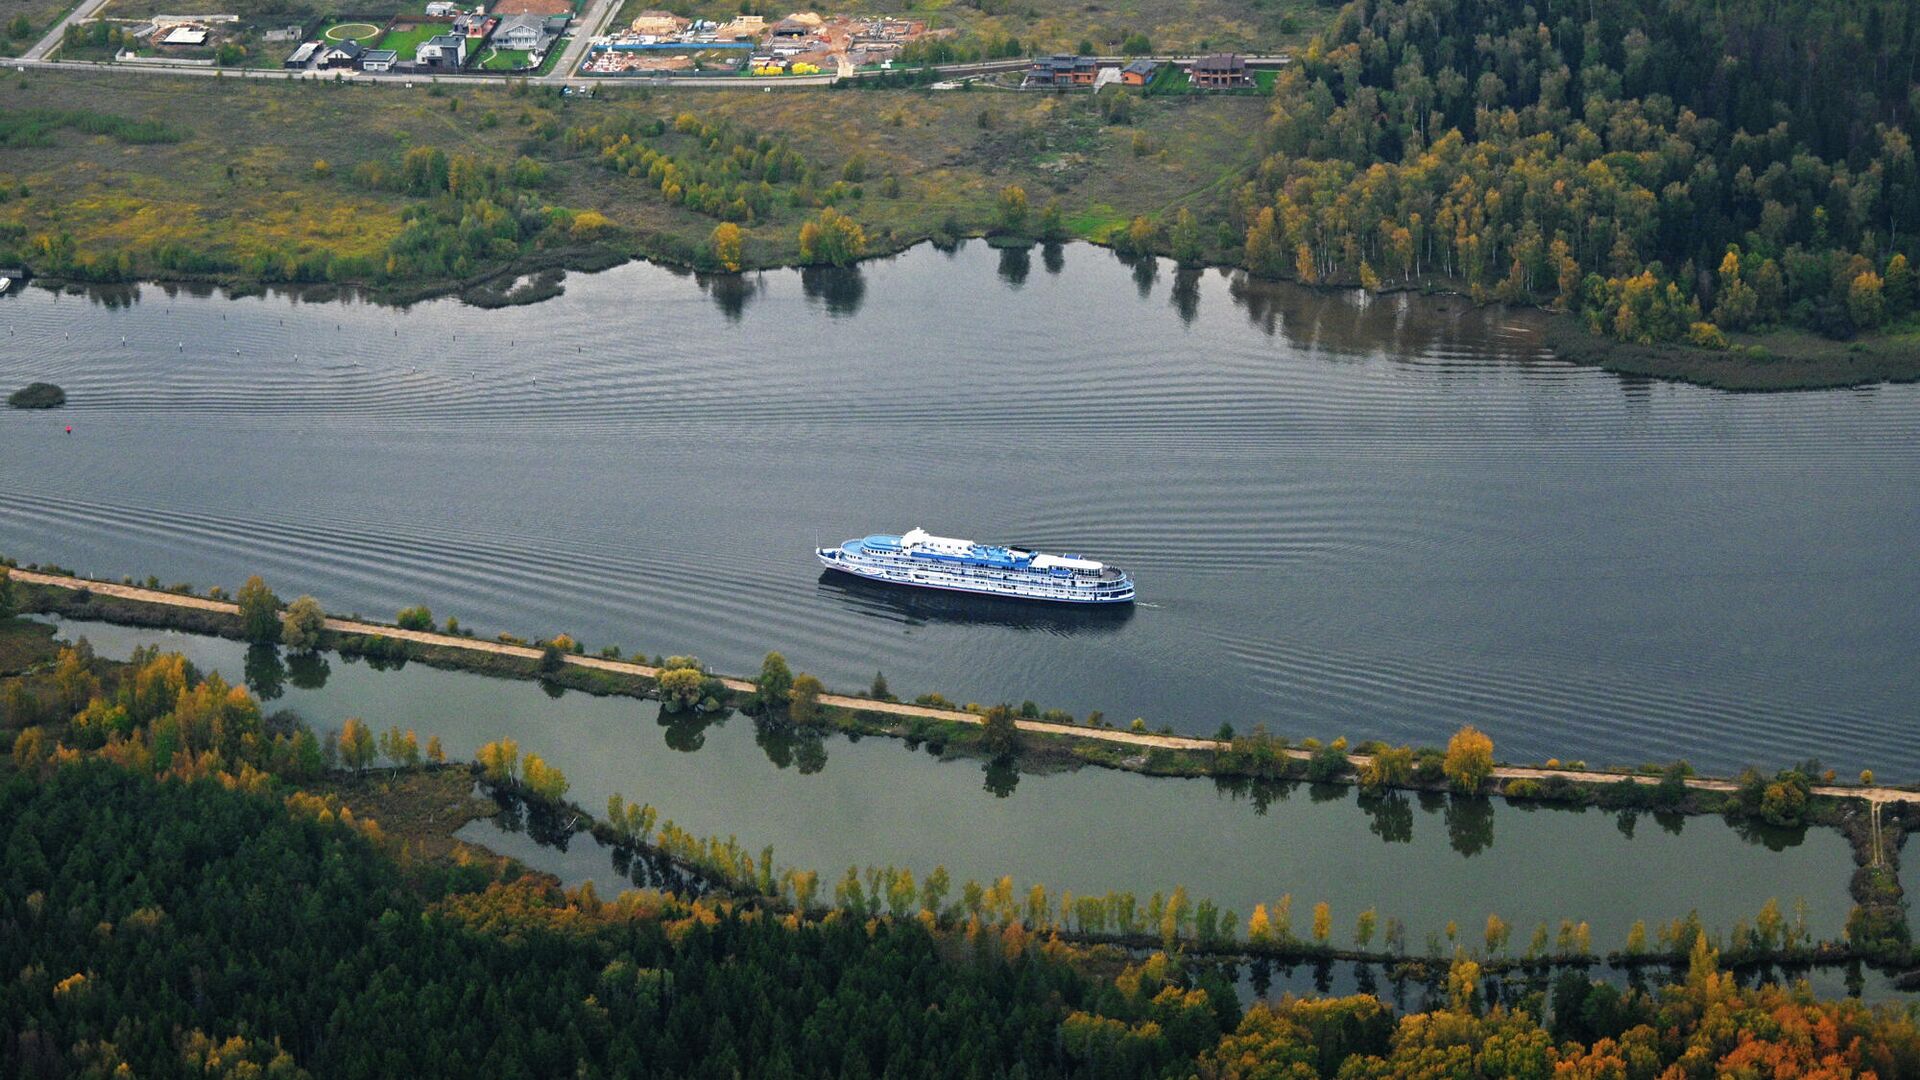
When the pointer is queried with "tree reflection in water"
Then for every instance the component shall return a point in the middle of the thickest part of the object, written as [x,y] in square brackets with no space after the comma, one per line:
[841,288]
[731,293]
[1469,823]
[266,676]
[1146,271]
[1389,816]
[1015,264]
[1186,292]
[686,729]
[786,745]
[1001,778]
[1053,256]
[560,828]
[308,671]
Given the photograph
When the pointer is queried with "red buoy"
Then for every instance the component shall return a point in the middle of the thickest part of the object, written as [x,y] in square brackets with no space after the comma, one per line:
[69,429]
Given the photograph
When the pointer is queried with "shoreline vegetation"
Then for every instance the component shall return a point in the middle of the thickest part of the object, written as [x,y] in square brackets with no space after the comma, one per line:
[1754,241]
[400,960]
[1874,818]
[416,802]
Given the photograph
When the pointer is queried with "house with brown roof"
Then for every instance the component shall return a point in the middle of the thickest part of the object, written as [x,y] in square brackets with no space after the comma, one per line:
[1221,71]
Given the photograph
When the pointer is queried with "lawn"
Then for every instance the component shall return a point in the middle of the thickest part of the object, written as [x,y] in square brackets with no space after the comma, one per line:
[23,22]
[406,40]
[1171,81]
[506,59]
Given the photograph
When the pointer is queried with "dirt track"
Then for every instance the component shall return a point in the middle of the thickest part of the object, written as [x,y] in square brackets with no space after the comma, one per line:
[896,708]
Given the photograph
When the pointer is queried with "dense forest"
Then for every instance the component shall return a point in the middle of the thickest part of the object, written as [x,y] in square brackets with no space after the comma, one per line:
[1672,170]
[183,896]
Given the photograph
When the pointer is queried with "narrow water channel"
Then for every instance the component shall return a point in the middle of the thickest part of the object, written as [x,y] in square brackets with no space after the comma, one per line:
[827,804]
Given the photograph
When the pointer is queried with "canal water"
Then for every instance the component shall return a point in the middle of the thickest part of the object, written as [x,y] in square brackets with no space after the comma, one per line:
[828,804]
[1375,517]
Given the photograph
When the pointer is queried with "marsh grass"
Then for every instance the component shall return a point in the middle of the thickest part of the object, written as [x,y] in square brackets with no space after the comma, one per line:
[237,174]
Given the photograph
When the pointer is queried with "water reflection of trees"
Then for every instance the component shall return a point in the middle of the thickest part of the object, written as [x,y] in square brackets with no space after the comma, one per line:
[1469,823]
[841,288]
[1401,324]
[558,828]
[266,676]
[731,293]
[1053,256]
[1015,264]
[1146,271]
[1186,292]
[686,729]
[1262,792]
[1001,778]
[308,671]
[1389,816]
[788,746]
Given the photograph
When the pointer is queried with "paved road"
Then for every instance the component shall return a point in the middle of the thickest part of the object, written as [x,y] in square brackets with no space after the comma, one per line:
[898,708]
[592,23]
[84,10]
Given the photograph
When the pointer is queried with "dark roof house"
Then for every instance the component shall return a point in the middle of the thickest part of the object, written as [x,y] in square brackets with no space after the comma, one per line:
[1221,71]
[1062,69]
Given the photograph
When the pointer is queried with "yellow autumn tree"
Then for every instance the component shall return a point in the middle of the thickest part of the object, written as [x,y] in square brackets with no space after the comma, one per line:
[500,760]
[1469,759]
[727,242]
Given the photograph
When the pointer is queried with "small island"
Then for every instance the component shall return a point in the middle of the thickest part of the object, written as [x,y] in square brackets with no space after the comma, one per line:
[38,395]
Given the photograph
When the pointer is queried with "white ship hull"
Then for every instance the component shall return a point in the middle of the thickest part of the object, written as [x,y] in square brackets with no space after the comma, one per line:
[919,561]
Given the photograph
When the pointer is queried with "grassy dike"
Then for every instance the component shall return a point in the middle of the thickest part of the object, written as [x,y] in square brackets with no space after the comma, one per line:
[1874,820]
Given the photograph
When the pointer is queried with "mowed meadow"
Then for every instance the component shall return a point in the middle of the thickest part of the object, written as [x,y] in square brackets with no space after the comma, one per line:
[235,172]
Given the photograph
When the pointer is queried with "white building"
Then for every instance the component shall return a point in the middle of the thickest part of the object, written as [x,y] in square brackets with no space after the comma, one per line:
[444,51]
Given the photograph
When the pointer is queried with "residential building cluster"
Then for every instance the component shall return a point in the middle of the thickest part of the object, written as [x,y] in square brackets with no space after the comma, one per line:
[443,37]
[1219,71]
[802,43]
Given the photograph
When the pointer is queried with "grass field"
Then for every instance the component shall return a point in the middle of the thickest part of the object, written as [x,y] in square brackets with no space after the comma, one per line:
[406,39]
[34,17]
[350,31]
[242,181]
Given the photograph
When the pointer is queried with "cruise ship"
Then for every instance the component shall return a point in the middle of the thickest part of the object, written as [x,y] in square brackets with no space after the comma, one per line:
[924,561]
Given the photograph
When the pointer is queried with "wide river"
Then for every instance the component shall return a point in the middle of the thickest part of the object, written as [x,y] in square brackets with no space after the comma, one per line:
[1381,518]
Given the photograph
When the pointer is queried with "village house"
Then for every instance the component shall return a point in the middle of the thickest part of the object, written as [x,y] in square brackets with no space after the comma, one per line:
[1063,69]
[342,54]
[521,32]
[448,51]
[1139,73]
[302,56]
[1221,71]
[378,60]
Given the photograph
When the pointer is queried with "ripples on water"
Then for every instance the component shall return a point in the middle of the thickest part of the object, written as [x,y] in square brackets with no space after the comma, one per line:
[1377,517]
